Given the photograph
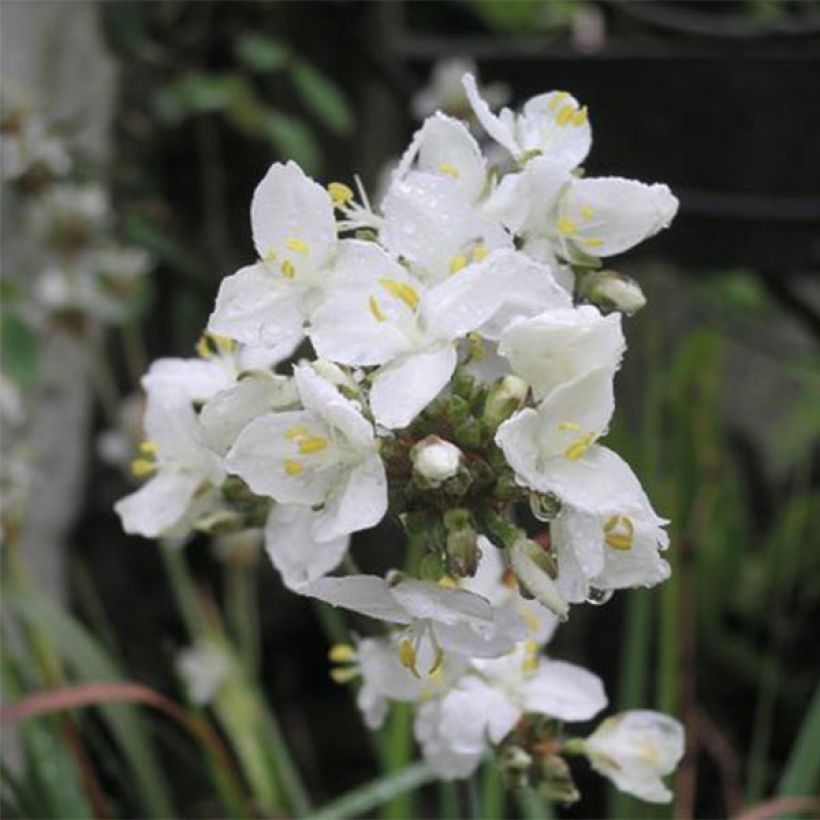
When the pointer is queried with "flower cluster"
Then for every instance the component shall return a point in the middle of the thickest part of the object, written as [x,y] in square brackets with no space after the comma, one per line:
[465,342]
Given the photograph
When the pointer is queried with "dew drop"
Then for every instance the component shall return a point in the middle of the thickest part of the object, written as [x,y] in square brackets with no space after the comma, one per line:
[598,597]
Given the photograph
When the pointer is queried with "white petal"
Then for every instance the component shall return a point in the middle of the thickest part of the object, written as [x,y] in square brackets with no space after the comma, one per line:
[324,399]
[288,205]
[188,379]
[258,307]
[470,710]
[357,502]
[359,322]
[264,450]
[224,416]
[428,222]
[444,145]
[367,594]
[403,388]
[612,214]
[159,505]
[499,128]
[295,552]
[556,125]
[564,691]
[559,345]
[429,600]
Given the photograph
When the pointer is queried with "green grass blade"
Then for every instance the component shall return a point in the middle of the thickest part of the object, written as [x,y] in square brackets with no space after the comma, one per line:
[90,663]
[397,751]
[802,773]
[492,790]
[376,793]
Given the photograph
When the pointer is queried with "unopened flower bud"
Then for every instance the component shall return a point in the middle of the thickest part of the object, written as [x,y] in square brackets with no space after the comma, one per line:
[535,570]
[515,762]
[557,783]
[435,460]
[505,397]
[335,375]
[463,553]
[611,290]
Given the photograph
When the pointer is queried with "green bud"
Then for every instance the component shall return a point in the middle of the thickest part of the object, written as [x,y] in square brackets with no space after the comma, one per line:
[515,764]
[556,780]
[499,530]
[463,553]
[505,397]
[464,384]
[536,570]
[467,433]
[431,567]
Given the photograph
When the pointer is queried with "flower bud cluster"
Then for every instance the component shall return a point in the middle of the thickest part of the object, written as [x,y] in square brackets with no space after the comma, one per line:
[466,345]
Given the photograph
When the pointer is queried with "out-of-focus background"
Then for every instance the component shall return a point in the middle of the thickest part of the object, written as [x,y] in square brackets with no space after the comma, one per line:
[133,136]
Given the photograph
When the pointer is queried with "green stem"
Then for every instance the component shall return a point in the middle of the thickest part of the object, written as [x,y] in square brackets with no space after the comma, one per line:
[243,613]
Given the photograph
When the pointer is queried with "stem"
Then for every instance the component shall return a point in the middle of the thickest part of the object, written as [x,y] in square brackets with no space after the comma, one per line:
[243,612]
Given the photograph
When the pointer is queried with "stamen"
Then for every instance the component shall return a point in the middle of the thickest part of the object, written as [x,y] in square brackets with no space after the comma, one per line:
[340,194]
[619,539]
[342,653]
[312,444]
[142,467]
[401,290]
[407,657]
[450,170]
[298,246]
[223,343]
[293,467]
[587,211]
[569,425]
[567,227]
[378,313]
[447,582]
[579,446]
[148,447]
[438,660]
[565,116]
[203,349]
[593,243]
[269,256]
[580,117]
[344,674]
[458,262]
[530,663]
[480,252]
[558,98]
[297,431]
[288,271]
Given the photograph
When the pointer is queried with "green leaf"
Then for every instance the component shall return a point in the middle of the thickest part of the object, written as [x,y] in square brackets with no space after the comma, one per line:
[802,773]
[376,792]
[323,98]
[19,350]
[196,93]
[261,53]
[89,662]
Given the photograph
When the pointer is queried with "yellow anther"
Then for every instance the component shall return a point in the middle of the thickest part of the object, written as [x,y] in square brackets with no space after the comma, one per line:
[378,314]
[580,117]
[450,170]
[223,343]
[142,467]
[509,578]
[567,227]
[148,447]
[458,262]
[569,425]
[565,115]
[480,252]
[288,271]
[203,349]
[476,344]
[340,194]
[297,431]
[438,660]
[293,467]
[619,532]
[297,245]
[557,98]
[579,446]
[344,674]
[593,243]
[407,657]
[587,211]
[401,290]
[530,662]
[342,653]
[269,256]
[447,582]
[312,444]
[529,618]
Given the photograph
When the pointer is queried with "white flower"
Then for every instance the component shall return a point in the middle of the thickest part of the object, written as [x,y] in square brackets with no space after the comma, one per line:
[436,619]
[185,472]
[635,750]
[552,124]
[559,345]
[606,536]
[435,460]
[546,446]
[295,235]
[203,668]
[325,454]
[375,313]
